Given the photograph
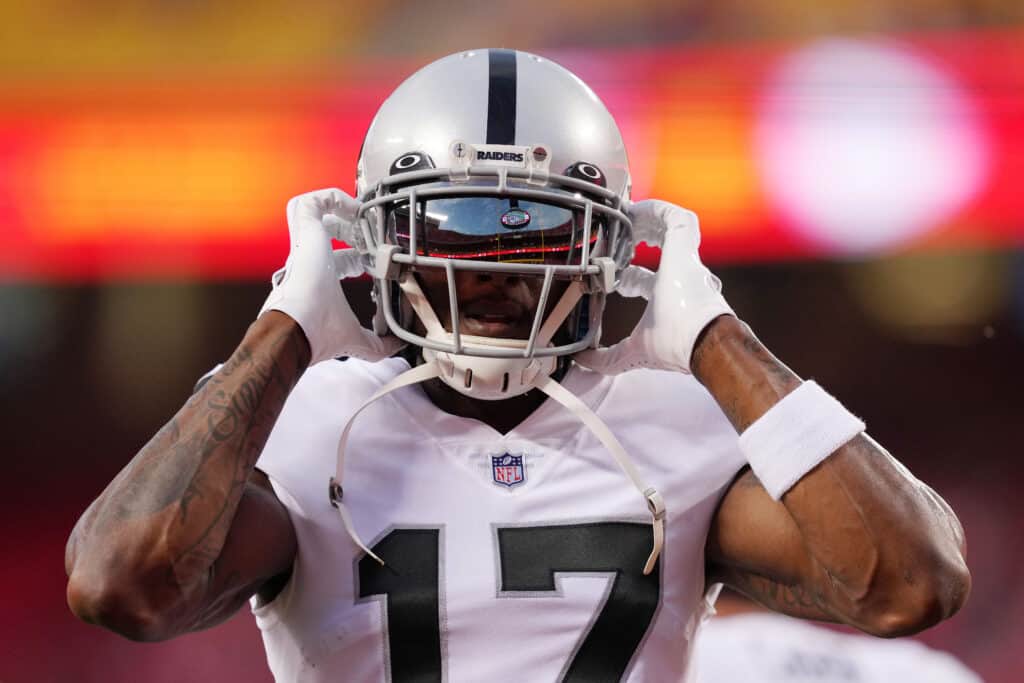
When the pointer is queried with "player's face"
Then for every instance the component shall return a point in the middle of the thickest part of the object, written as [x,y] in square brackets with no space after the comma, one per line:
[490,304]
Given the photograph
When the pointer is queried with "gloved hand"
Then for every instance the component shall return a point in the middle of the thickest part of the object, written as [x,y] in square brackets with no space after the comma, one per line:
[308,288]
[683,297]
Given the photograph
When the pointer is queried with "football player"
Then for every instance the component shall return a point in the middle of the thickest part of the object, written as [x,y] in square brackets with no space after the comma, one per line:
[479,490]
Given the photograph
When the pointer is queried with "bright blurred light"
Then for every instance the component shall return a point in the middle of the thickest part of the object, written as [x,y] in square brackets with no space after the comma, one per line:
[705,158]
[858,145]
[864,146]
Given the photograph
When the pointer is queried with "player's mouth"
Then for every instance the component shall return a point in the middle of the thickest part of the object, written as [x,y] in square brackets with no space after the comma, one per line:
[495,319]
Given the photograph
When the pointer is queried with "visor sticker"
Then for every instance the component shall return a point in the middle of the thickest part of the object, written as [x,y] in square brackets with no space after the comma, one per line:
[515,218]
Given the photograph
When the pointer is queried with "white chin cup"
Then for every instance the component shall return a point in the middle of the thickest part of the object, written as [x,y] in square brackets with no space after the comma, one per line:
[490,379]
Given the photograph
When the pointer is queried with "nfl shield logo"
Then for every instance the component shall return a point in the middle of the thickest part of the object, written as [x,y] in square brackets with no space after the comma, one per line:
[508,469]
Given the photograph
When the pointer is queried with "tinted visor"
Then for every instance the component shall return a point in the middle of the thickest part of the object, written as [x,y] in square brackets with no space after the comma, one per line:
[495,229]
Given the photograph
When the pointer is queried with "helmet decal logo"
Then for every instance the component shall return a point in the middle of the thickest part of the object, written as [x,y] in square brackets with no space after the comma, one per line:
[515,218]
[411,161]
[508,470]
[583,170]
[408,161]
[512,156]
[488,155]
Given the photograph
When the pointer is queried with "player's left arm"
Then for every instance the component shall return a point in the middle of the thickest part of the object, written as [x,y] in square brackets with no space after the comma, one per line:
[857,539]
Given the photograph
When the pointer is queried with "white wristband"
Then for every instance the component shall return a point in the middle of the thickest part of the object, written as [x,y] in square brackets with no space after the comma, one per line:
[796,434]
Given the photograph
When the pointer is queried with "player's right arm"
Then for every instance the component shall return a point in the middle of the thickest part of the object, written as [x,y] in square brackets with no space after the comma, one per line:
[189,530]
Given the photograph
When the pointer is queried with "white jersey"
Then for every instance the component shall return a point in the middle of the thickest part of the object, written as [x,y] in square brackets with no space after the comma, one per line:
[514,557]
[772,648]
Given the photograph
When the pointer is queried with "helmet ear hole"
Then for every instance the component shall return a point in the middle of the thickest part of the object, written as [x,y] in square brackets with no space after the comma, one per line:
[588,172]
[411,161]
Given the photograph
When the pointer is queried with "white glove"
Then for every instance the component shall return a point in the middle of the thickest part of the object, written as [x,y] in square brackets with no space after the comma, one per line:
[308,288]
[683,297]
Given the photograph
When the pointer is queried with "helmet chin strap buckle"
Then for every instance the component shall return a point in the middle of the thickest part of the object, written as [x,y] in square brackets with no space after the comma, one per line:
[607,266]
[531,371]
[384,266]
[445,366]
[335,492]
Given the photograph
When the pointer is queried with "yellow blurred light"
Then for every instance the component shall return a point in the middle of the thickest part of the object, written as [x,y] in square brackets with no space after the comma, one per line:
[705,164]
[937,297]
[68,38]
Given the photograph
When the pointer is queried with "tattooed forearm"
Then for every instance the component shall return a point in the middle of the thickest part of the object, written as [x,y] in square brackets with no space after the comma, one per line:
[177,497]
[794,600]
[241,405]
[856,536]
[740,372]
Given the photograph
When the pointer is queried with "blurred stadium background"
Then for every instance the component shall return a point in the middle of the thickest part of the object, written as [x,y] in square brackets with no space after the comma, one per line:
[857,166]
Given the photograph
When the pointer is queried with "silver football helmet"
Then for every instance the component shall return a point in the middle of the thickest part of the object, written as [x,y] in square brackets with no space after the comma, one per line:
[504,162]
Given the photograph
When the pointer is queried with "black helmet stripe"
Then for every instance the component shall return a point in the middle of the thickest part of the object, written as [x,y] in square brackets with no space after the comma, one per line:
[501,98]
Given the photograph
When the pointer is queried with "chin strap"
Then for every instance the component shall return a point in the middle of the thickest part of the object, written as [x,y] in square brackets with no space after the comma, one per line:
[655,503]
[549,386]
[420,373]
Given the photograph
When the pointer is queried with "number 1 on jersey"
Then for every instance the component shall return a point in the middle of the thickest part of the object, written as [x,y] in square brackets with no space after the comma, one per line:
[409,583]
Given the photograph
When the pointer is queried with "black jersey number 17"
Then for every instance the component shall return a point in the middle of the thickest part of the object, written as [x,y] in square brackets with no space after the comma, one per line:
[529,558]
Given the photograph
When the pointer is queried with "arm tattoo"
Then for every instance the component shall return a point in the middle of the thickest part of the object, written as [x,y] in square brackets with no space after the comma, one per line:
[742,375]
[861,529]
[239,419]
[188,480]
[794,600]
[772,365]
